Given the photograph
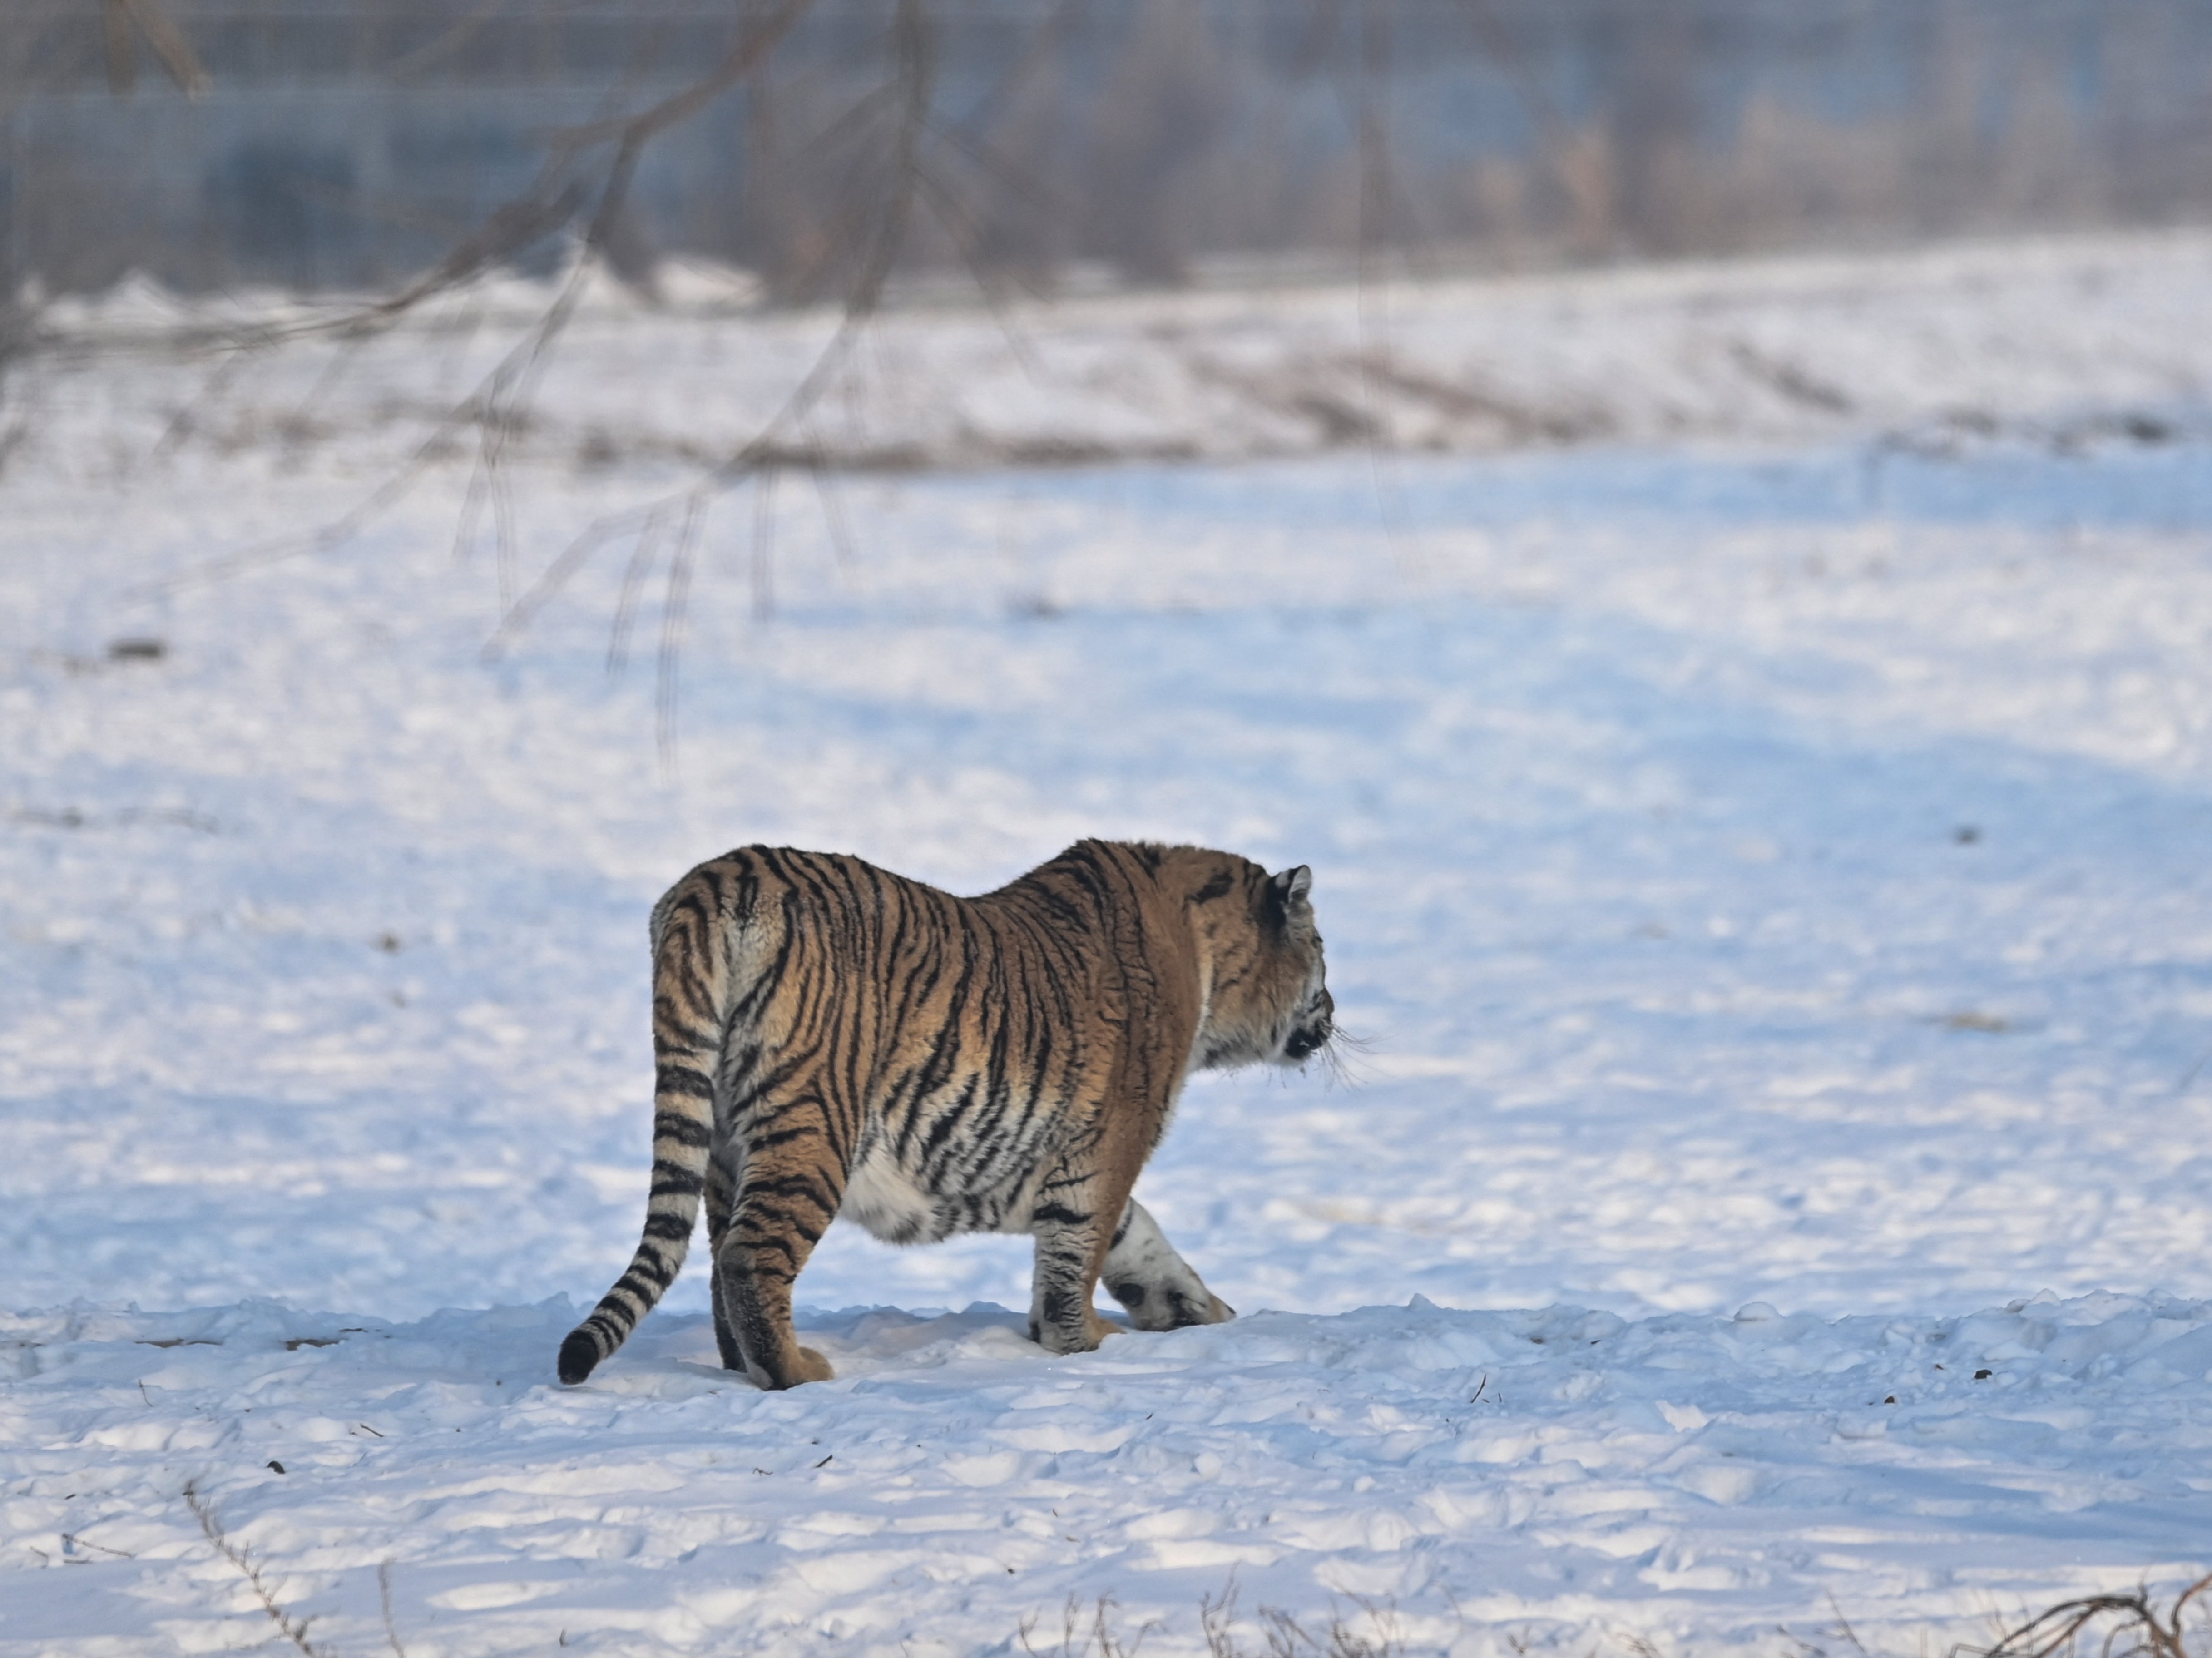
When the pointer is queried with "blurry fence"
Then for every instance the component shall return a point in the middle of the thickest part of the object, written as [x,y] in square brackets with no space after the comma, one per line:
[347,142]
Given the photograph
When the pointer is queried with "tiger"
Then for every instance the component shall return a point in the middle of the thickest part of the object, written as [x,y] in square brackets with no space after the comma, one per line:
[831,1039]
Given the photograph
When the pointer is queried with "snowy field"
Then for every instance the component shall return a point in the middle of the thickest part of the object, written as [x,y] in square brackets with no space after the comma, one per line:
[1773,1208]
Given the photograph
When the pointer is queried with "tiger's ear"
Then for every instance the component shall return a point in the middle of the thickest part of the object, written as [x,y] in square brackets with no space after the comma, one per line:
[1289,891]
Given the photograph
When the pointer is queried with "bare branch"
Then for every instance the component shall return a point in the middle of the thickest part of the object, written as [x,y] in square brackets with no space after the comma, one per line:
[911,86]
[641,562]
[833,514]
[672,605]
[122,48]
[643,521]
[744,58]
[2122,1626]
[763,558]
[464,30]
[295,1629]
[168,43]
[384,1592]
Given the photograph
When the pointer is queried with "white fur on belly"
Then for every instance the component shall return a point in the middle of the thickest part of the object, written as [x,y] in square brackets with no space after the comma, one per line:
[881,1198]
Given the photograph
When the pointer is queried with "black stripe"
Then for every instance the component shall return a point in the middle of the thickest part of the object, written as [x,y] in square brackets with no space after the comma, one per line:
[791,1186]
[760,1143]
[649,1274]
[674,1180]
[668,1126]
[756,1242]
[682,1079]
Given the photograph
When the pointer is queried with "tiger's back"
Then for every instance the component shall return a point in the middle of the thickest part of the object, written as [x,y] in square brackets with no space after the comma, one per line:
[829,1036]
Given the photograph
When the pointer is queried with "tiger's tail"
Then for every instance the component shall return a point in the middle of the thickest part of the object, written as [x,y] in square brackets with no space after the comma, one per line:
[690,979]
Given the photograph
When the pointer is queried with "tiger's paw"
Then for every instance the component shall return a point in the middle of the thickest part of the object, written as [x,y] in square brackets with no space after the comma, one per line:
[1059,1341]
[1181,1311]
[1160,1310]
[805,1365]
[1170,1306]
[1216,1311]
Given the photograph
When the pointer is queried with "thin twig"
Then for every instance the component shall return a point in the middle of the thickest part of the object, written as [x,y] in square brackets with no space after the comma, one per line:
[520,614]
[744,58]
[460,34]
[498,404]
[81,1542]
[295,1629]
[168,42]
[2138,1627]
[384,1592]
[912,81]
[673,600]
[2191,1075]
[833,515]
[641,560]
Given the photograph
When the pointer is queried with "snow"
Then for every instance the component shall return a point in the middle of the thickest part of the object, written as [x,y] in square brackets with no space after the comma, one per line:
[1765,865]
[1563,1477]
[2048,333]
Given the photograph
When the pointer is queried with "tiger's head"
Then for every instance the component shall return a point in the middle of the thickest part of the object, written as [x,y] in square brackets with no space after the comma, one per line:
[1267,998]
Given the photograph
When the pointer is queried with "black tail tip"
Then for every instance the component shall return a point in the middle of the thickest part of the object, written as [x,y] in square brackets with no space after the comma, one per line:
[579,1355]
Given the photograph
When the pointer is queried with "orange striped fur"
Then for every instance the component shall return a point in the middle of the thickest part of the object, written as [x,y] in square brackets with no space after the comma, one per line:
[830,1038]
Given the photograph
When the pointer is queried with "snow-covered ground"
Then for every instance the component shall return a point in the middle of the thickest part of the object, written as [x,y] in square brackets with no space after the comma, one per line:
[1770,880]
[2062,335]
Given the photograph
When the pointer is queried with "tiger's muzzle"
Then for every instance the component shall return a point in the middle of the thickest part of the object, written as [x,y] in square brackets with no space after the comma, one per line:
[1315,1024]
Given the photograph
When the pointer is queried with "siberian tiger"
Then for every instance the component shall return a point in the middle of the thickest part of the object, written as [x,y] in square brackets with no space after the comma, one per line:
[829,1038]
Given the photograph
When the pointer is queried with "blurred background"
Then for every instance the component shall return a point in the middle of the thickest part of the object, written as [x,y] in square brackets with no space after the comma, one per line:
[1067,146]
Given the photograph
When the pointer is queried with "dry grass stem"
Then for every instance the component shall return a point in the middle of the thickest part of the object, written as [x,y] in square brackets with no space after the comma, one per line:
[384,1594]
[2112,1626]
[1090,1632]
[295,1628]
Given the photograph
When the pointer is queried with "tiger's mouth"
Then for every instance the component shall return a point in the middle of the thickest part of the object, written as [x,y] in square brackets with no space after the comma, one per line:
[1316,1024]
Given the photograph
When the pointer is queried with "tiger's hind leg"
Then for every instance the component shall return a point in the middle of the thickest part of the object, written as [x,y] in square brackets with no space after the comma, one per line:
[721,1197]
[1156,1284]
[793,1183]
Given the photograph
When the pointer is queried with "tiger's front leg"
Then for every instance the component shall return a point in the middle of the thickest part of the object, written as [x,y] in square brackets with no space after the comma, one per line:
[1146,1276]
[1073,1225]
